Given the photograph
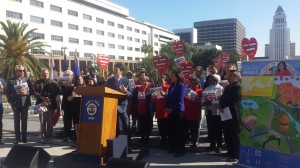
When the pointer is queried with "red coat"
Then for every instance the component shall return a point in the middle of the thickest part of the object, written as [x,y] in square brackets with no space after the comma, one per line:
[160,105]
[193,109]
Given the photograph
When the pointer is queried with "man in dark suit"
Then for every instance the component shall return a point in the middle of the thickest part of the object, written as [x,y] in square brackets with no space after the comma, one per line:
[19,90]
[121,84]
[98,80]
[232,98]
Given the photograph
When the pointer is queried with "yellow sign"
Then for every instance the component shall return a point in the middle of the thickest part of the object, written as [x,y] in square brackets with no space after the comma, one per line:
[257,86]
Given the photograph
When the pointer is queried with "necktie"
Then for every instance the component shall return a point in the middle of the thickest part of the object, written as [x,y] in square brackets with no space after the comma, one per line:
[117,83]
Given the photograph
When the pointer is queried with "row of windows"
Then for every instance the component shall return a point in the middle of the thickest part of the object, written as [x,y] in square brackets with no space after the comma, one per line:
[85,16]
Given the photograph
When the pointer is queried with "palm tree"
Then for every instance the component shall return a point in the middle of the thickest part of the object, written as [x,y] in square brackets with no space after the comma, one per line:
[16,45]
[147,49]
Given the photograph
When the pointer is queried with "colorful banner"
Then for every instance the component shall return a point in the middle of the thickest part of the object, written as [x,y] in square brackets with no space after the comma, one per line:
[91,109]
[270,115]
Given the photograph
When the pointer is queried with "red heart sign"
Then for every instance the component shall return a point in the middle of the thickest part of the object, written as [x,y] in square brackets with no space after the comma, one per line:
[103,60]
[186,68]
[161,63]
[178,47]
[250,47]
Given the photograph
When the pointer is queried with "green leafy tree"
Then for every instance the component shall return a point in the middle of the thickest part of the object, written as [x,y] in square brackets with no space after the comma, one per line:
[16,45]
[147,49]
[205,57]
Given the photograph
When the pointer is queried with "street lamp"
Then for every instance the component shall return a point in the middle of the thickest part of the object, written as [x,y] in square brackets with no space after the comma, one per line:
[63,49]
[93,56]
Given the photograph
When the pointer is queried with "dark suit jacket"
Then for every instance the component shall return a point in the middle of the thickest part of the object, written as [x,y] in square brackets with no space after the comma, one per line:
[231,98]
[122,101]
[13,98]
[175,99]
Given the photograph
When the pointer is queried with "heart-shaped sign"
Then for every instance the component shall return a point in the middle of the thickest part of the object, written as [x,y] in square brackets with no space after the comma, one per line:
[250,47]
[186,68]
[161,63]
[103,60]
[178,47]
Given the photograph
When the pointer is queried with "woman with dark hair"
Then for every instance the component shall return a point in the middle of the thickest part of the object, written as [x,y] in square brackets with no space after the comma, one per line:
[282,70]
[76,101]
[175,109]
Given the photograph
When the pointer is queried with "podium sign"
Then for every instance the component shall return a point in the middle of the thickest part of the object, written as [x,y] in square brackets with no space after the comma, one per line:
[98,119]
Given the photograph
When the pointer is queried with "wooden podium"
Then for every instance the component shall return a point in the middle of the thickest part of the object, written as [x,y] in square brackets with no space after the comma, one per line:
[98,119]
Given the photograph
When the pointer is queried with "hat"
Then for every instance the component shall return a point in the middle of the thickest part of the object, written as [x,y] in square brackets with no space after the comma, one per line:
[19,67]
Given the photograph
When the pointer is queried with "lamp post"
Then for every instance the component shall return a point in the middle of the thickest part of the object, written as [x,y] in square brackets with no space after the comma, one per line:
[93,56]
[65,66]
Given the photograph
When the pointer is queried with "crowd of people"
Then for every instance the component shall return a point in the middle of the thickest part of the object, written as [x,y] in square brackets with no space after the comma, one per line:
[174,100]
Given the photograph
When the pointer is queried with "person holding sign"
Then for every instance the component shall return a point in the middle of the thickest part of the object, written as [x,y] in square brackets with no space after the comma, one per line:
[192,112]
[175,109]
[210,100]
[19,90]
[230,102]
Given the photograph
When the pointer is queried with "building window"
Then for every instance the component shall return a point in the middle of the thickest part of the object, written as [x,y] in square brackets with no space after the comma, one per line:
[87,42]
[36,19]
[129,38]
[137,30]
[56,23]
[120,47]
[100,44]
[144,41]
[56,8]
[87,29]
[155,44]
[87,54]
[111,34]
[120,26]
[112,57]
[39,35]
[100,32]
[57,52]
[87,17]
[74,40]
[38,51]
[72,53]
[15,15]
[137,40]
[137,49]
[99,20]
[121,57]
[72,13]
[37,3]
[17,0]
[155,35]
[129,58]
[121,37]
[129,48]
[144,32]
[137,58]
[111,46]
[129,28]
[56,38]
[110,23]
[72,26]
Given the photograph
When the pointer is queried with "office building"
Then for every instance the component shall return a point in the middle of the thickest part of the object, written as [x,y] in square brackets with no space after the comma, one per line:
[227,33]
[188,35]
[90,27]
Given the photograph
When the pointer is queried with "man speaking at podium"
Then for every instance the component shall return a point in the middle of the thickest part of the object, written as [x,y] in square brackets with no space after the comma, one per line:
[121,84]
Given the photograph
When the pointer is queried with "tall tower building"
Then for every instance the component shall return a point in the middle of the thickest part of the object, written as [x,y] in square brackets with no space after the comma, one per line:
[227,33]
[280,46]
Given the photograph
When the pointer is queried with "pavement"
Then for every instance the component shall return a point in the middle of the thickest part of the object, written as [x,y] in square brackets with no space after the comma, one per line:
[158,157]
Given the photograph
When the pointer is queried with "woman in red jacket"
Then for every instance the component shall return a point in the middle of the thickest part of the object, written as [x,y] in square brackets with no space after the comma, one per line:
[143,97]
[192,113]
[160,103]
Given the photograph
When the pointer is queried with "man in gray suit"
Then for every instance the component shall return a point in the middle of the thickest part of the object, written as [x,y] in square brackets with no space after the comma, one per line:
[121,84]
[19,89]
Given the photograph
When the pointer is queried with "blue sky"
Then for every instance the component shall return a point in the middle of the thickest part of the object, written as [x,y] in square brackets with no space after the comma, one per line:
[255,15]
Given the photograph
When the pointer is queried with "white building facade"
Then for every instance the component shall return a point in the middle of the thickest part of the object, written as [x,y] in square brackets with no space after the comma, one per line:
[280,46]
[87,26]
